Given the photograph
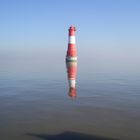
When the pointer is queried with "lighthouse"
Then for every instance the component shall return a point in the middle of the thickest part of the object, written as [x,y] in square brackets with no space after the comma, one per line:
[71,61]
[71,52]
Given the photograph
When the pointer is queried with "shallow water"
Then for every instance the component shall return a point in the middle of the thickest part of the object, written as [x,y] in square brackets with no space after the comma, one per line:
[34,103]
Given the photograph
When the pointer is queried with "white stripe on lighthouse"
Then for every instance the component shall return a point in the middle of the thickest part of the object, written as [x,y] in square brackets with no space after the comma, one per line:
[72,83]
[71,58]
[72,40]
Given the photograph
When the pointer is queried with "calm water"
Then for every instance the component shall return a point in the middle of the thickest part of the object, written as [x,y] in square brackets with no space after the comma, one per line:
[34,103]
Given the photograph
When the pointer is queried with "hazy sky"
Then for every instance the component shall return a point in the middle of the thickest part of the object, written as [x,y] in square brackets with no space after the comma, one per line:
[45,22]
[107,30]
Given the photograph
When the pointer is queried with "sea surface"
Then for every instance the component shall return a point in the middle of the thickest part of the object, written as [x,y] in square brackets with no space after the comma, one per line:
[34,101]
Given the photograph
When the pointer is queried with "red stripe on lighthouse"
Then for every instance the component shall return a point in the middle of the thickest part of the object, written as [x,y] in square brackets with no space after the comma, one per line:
[71,50]
[72,30]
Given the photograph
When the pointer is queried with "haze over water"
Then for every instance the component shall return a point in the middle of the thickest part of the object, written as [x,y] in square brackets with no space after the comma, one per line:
[34,97]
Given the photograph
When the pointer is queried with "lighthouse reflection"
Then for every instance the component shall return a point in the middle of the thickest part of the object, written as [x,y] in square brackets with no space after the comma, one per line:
[71,74]
[72,92]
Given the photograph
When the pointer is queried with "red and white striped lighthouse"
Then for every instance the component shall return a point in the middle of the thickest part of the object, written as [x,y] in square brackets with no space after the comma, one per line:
[71,62]
[71,52]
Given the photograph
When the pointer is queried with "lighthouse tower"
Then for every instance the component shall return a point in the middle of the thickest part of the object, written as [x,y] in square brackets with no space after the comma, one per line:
[71,52]
[71,61]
